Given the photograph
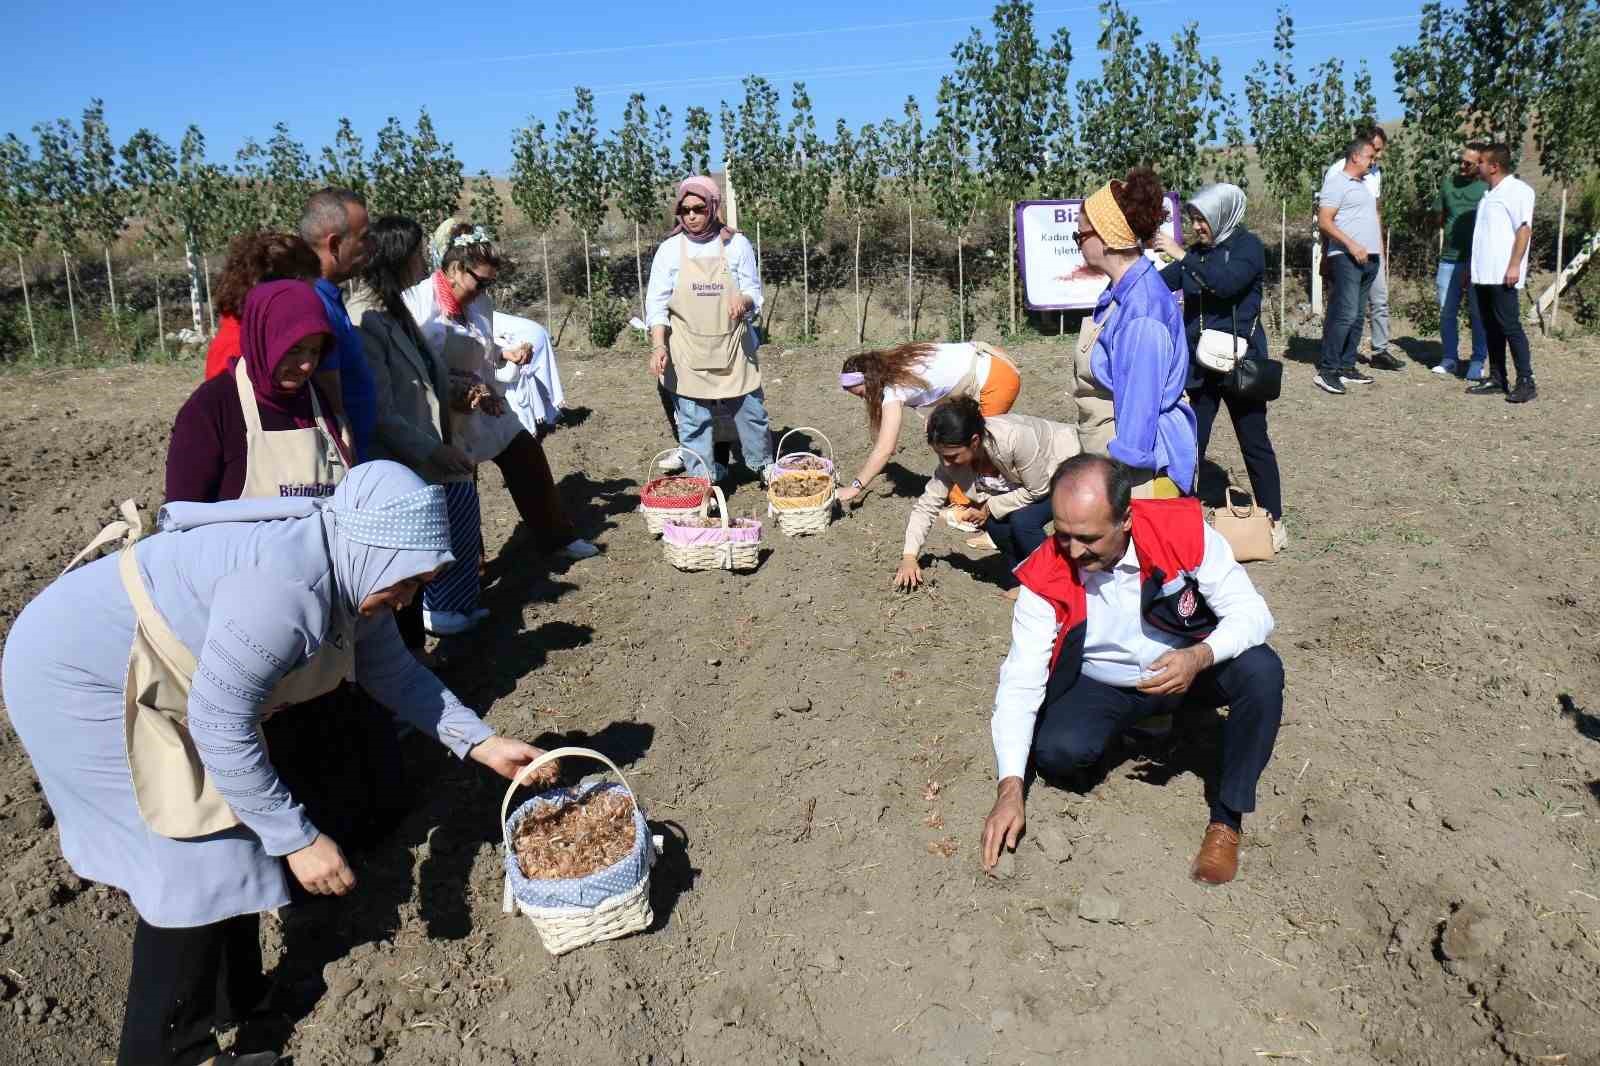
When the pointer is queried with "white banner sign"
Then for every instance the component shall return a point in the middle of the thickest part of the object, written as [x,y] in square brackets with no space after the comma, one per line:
[1054,275]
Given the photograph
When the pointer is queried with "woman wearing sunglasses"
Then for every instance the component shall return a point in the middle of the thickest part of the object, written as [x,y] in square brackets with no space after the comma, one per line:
[704,293]
[454,313]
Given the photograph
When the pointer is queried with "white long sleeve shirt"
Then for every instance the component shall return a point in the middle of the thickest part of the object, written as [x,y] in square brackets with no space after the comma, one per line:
[1117,643]
[664,273]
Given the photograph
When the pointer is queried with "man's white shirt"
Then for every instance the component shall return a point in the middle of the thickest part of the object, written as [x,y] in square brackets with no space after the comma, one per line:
[1117,642]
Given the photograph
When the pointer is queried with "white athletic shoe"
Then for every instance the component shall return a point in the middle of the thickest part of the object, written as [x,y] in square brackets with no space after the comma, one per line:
[1280,536]
[579,550]
[671,464]
[982,542]
[450,623]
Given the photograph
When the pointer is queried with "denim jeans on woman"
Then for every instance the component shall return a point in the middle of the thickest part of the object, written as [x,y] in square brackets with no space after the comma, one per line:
[1452,283]
[696,419]
[1347,311]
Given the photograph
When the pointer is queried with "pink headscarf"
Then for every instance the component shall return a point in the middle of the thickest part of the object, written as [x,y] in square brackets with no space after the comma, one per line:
[707,190]
[278,315]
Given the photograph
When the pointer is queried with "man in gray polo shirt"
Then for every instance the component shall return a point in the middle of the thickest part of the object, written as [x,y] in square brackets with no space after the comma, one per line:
[1347,215]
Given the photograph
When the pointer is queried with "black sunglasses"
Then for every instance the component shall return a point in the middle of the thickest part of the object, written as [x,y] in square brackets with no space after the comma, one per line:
[690,209]
[483,283]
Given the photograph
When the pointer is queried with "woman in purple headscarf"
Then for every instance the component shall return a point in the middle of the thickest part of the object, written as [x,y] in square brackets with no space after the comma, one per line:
[701,306]
[261,428]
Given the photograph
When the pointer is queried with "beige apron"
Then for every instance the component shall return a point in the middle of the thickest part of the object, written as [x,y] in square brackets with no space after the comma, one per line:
[1096,421]
[288,462]
[708,355]
[176,797]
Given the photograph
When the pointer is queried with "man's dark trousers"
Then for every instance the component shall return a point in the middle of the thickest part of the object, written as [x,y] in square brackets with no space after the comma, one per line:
[1075,728]
[1347,310]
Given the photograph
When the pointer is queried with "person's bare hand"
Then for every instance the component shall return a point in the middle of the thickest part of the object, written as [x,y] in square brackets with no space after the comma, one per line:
[740,308]
[1163,243]
[1176,670]
[518,355]
[848,493]
[909,576]
[451,459]
[1513,275]
[658,362]
[1358,253]
[507,757]
[321,869]
[1005,823]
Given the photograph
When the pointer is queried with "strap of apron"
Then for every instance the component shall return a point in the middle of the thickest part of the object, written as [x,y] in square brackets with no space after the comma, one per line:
[150,619]
[128,530]
[247,398]
[329,428]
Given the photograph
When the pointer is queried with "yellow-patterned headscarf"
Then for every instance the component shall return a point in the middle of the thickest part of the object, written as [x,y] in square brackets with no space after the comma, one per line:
[1108,220]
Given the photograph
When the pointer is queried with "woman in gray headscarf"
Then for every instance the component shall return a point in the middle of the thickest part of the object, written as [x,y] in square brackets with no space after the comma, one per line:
[143,726]
[1221,275]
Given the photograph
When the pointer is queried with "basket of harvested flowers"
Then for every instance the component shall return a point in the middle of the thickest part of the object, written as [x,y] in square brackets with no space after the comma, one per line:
[578,859]
[803,461]
[802,500]
[674,495]
[697,542]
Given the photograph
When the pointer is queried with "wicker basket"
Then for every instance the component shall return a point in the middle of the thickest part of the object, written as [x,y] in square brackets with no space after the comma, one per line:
[736,546]
[657,509]
[567,927]
[799,515]
[784,463]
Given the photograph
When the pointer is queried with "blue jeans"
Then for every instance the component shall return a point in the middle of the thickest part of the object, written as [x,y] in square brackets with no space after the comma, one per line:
[1021,531]
[1451,281]
[1347,310]
[695,419]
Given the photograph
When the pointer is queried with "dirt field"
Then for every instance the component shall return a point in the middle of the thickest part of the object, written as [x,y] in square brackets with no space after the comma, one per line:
[1421,883]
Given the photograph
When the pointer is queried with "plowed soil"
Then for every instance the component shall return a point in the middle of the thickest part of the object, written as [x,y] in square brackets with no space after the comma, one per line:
[1421,883]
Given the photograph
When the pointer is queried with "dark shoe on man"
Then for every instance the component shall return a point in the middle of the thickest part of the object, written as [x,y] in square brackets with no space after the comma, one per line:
[1487,387]
[1328,383]
[1355,377]
[1385,361]
[258,1058]
[1217,861]
[1524,392]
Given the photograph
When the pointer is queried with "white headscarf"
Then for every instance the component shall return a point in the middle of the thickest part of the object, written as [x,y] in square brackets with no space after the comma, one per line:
[1222,206]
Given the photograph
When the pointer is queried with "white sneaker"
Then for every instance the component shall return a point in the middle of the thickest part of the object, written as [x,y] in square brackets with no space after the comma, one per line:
[955,523]
[671,464]
[1280,537]
[982,542]
[449,623]
[579,550]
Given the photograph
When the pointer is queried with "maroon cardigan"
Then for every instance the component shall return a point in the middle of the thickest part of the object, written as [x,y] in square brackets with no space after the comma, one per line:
[206,458]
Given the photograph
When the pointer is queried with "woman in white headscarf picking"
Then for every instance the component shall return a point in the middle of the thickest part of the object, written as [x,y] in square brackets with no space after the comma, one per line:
[144,726]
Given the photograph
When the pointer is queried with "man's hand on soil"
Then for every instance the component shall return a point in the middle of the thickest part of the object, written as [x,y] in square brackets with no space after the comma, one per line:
[1005,823]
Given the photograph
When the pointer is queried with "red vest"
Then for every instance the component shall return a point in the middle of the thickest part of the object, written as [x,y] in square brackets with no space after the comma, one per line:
[1169,538]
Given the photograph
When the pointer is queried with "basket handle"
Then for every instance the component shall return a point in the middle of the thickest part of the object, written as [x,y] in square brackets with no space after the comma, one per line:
[722,512]
[681,450]
[549,757]
[806,429]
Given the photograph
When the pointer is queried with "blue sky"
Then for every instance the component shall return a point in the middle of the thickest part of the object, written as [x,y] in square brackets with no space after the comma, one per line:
[235,70]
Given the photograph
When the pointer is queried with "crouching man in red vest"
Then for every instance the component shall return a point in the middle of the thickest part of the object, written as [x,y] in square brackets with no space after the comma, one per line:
[1132,608]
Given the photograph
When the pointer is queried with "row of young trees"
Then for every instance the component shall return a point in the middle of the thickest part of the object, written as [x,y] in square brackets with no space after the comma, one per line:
[1007,123]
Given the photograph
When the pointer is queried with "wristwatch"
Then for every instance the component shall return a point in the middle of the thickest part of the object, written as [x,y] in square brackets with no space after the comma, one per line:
[855,483]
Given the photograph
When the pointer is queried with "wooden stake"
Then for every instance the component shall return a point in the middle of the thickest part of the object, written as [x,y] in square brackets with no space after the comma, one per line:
[588,286]
[161,321]
[1316,273]
[1283,260]
[211,307]
[1011,262]
[638,267]
[111,284]
[805,286]
[72,307]
[1561,244]
[911,252]
[961,288]
[861,327]
[27,305]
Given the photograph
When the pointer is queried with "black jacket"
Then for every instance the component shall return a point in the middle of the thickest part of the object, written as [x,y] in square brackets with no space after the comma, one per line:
[1222,284]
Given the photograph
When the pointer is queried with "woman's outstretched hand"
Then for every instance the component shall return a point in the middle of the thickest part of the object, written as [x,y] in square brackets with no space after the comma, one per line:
[321,869]
[507,757]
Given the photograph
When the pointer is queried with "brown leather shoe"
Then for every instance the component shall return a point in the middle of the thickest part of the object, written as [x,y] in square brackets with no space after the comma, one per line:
[1217,861]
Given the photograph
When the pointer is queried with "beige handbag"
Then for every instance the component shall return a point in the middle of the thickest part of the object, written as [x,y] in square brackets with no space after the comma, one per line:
[1244,525]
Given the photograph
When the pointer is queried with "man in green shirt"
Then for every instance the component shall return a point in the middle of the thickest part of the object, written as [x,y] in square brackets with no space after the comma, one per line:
[1456,209]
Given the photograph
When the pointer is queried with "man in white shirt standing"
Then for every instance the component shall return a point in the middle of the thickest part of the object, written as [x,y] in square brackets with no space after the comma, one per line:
[1500,238]
[1132,608]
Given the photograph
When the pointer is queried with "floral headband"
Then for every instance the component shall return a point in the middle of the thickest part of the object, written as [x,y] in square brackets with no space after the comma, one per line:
[479,235]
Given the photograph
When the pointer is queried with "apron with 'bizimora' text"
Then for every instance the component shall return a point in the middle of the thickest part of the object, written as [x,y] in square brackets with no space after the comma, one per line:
[289,462]
[709,361]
